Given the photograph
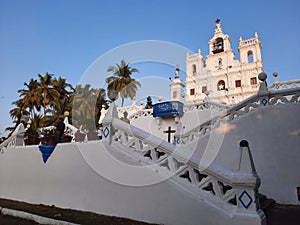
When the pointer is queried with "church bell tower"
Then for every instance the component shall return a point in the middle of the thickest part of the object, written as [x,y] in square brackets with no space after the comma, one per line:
[177,87]
[223,77]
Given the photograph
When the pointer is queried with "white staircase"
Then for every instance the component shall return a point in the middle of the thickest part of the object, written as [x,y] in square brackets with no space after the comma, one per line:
[233,194]
[131,173]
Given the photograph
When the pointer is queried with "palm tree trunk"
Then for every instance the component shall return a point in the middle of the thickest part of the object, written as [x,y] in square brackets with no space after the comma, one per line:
[122,102]
[44,108]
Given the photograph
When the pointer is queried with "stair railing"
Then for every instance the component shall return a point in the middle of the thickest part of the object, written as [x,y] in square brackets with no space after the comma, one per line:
[263,98]
[15,139]
[236,191]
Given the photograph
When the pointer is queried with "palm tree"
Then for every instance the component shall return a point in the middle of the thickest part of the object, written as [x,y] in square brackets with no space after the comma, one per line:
[64,101]
[17,113]
[84,103]
[87,105]
[46,90]
[61,86]
[60,106]
[54,95]
[20,110]
[31,98]
[121,81]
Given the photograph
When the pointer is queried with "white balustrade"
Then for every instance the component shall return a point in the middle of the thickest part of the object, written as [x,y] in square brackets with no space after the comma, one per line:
[261,99]
[235,190]
[15,139]
[250,41]
[141,113]
[205,106]
[284,85]
[132,109]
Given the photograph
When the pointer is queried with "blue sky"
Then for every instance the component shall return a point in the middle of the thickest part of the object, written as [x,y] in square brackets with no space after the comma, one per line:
[64,37]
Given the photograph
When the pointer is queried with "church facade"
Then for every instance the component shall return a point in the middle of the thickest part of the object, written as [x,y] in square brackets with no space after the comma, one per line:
[220,77]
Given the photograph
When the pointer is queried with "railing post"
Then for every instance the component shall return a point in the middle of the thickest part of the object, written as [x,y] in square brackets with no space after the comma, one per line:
[275,75]
[179,133]
[247,182]
[263,89]
[20,135]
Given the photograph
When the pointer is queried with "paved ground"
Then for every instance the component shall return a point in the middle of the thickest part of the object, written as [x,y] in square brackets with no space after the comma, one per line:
[276,215]
[74,216]
[283,215]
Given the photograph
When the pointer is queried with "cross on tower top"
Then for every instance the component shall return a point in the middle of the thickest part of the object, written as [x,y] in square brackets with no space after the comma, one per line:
[217,20]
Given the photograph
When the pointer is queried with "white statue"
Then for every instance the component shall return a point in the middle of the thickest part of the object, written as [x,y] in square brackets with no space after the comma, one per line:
[103,113]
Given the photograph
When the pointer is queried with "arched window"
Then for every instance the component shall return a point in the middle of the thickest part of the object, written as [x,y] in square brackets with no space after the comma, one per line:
[194,68]
[250,56]
[218,45]
[221,85]
[220,62]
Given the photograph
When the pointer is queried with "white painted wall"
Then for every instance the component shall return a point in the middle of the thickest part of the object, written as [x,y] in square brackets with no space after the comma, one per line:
[190,120]
[66,180]
[273,133]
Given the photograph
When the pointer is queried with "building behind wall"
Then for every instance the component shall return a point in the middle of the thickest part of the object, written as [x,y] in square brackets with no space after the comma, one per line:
[220,77]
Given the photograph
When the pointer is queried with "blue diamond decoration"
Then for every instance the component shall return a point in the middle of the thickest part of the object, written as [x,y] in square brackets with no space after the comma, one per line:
[106,132]
[264,101]
[245,199]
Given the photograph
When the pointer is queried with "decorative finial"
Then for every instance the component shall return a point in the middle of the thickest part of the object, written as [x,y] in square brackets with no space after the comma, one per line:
[262,77]
[263,85]
[275,74]
[177,71]
[244,143]
[218,26]
[199,51]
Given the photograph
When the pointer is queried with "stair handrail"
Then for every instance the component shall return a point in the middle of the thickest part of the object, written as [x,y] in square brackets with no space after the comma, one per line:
[15,139]
[131,109]
[206,105]
[284,84]
[237,189]
[260,99]
[140,113]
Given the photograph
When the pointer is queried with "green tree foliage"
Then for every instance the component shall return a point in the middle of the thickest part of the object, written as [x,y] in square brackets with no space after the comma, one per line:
[87,105]
[46,96]
[47,91]
[121,81]
[30,98]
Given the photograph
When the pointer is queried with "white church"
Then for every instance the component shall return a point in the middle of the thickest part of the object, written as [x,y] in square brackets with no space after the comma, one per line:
[208,156]
[220,76]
